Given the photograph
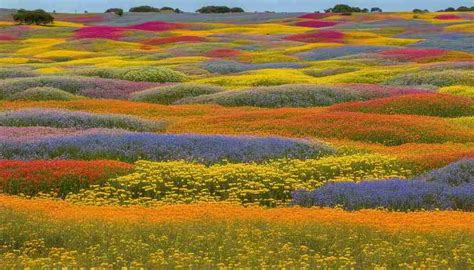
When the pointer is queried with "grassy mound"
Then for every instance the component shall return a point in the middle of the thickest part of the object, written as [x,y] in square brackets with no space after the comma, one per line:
[297,95]
[72,119]
[6,73]
[170,94]
[145,74]
[437,78]
[133,146]
[84,86]
[458,90]
[419,104]
[43,93]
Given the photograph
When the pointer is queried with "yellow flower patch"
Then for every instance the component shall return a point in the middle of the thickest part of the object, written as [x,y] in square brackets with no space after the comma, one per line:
[65,53]
[14,60]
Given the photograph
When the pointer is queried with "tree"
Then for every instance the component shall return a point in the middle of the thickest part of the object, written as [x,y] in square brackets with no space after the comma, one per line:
[167,9]
[375,9]
[144,9]
[38,17]
[345,9]
[178,10]
[341,8]
[214,9]
[117,11]
[417,10]
[463,8]
[450,9]
[237,10]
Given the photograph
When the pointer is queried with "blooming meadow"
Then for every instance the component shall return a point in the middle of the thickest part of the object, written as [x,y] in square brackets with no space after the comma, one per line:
[237,141]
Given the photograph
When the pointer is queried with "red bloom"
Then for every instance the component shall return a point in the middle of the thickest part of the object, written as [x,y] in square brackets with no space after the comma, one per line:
[64,176]
[222,53]
[316,24]
[419,104]
[314,16]
[7,37]
[321,36]
[447,17]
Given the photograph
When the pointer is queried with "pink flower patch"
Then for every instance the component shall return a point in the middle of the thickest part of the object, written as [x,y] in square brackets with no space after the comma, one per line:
[314,16]
[447,17]
[7,37]
[167,40]
[322,36]
[156,26]
[412,54]
[115,32]
[316,24]
[222,53]
[106,32]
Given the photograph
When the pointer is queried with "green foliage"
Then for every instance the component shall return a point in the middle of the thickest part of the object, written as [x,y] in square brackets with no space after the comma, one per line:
[417,10]
[329,71]
[220,9]
[437,78]
[342,8]
[237,10]
[139,74]
[170,94]
[153,9]
[268,184]
[117,11]
[43,93]
[38,241]
[157,74]
[144,9]
[37,16]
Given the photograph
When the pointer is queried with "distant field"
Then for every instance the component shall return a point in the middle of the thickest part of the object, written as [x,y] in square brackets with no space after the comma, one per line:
[238,141]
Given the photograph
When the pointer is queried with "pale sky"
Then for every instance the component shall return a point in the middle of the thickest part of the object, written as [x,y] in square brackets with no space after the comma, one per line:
[248,5]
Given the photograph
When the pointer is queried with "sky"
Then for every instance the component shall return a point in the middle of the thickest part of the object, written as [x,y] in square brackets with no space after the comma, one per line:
[248,5]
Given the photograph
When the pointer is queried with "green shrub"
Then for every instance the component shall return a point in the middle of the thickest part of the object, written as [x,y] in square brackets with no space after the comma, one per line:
[437,78]
[170,94]
[329,71]
[157,74]
[6,73]
[43,93]
[147,74]
[37,16]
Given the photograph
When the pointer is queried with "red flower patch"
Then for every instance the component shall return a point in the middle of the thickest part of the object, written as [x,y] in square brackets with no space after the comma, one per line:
[63,176]
[316,24]
[418,104]
[7,37]
[447,17]
[222,53]
[322,36]
[167,40]
[314,16]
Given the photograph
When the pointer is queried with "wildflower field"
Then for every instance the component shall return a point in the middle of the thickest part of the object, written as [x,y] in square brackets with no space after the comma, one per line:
[237,141]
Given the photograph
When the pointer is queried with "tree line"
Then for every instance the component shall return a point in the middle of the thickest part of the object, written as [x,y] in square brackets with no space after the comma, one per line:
[41,17]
